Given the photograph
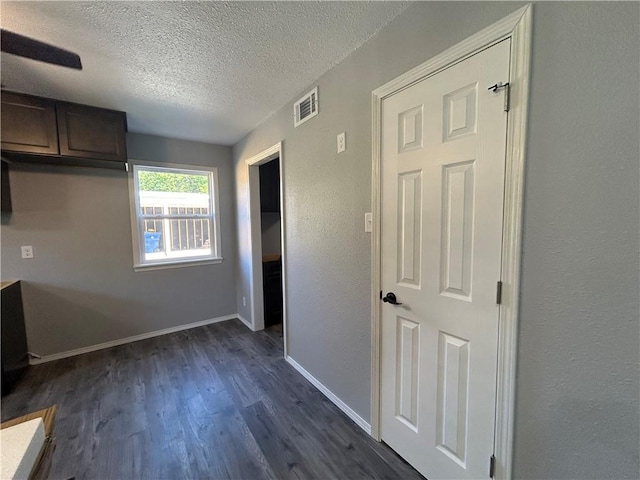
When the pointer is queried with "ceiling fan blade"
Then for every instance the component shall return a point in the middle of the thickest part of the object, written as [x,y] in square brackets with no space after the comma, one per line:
[27,47]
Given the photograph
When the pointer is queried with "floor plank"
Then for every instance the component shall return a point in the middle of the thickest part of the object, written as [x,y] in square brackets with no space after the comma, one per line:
[216,402]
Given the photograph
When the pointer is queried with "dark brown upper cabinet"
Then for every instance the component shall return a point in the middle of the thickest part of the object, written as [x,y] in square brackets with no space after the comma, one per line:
[89,132]
[41,130]
[29,124]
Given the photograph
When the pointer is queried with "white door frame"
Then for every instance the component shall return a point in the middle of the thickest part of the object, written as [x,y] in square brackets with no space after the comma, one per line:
[517,27]
[255,238]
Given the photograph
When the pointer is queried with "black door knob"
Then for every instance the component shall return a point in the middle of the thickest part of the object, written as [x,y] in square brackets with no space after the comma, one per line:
[391,298]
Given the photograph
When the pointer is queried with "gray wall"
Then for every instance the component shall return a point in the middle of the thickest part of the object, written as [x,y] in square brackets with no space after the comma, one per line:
[577,407]
[579,336]
[80,288]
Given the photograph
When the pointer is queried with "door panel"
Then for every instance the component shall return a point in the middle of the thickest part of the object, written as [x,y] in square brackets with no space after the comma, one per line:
[409,228]
[442,170]
[408,351]
[453,399]
[457,230]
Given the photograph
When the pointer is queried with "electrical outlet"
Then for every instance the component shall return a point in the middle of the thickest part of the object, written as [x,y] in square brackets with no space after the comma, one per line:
[342,142]
[244,301]
[27,251]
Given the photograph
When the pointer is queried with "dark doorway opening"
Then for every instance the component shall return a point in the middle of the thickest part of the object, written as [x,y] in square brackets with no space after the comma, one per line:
[270,219]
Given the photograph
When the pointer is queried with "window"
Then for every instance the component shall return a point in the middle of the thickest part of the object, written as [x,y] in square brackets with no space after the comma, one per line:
[174,215]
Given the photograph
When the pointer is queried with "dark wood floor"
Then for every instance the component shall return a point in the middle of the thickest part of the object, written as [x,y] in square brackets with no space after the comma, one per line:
[213,402]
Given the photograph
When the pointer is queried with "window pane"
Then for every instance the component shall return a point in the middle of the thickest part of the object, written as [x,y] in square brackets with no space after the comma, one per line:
[157,181]
[184,238]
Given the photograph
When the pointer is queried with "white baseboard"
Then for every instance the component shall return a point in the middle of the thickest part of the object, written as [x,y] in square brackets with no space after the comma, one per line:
[361,422]
[135,338]
[245,321]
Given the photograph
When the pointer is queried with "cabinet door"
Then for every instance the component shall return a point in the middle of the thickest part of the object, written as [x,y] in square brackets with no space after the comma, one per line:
[28,124]
[89,132]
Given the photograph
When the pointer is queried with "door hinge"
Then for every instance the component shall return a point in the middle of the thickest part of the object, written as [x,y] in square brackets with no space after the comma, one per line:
[499,293]
[492,466]
[507,93]
[380,294]
[507,97]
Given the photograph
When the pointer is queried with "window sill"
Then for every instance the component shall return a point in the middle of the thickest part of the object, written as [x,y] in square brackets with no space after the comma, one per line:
[176,264]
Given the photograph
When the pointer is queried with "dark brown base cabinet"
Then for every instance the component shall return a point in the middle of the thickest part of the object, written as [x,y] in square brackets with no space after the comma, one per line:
[15,358]
[36,129]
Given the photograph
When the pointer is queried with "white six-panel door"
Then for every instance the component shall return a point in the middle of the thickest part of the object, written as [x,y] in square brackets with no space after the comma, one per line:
[442,171]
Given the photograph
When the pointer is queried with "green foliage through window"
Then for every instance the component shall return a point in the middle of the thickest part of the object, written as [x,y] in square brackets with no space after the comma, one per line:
[172,182]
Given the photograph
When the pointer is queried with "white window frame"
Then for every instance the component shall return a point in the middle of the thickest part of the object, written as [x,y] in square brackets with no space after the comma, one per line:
[137,225]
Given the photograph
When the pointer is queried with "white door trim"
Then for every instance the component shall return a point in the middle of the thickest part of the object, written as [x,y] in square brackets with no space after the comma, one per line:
[517,27]
[255,238]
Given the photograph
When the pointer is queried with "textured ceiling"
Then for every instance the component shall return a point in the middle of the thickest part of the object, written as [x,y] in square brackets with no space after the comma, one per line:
[208,71]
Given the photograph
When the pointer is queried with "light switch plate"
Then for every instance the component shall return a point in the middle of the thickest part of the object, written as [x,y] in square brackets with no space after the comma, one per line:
[368,222]
[342,142]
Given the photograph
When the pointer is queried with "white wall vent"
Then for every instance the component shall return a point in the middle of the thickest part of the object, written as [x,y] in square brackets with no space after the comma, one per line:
[305,108]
